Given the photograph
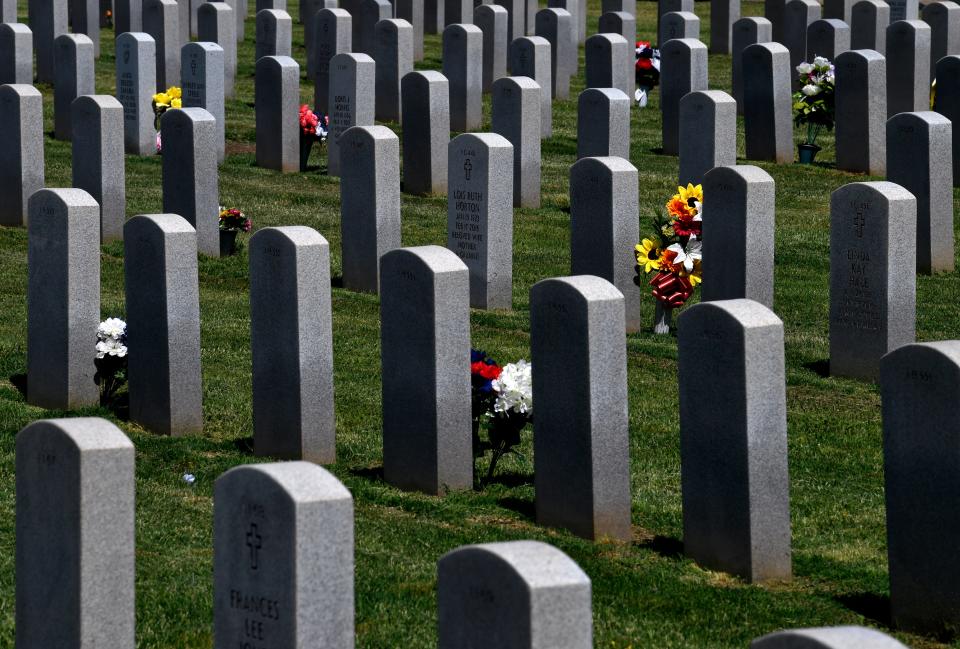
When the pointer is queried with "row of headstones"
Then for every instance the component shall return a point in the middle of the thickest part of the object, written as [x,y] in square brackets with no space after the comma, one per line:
[283,560]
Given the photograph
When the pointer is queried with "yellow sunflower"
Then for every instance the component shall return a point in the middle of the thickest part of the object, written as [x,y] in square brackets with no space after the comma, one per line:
[696,275]
[648,256]
[690,195]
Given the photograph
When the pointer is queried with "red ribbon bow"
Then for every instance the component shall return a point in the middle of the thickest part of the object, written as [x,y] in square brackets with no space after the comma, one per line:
[671,289]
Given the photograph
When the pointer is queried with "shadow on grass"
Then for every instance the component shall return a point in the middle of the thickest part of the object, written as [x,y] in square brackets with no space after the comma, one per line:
[873,607]
[666,546]
[374,473]
[525,508]
[336,282]
[511,479]
[118,405]
[19,381]
[657,150]
[244,444]
[820,368]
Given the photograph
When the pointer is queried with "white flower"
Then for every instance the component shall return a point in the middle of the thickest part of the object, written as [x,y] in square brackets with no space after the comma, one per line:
[805,68]
[189,478]
[514,388]
[111,347]
[111,328]
[699,207]
[810,90]
[641,97]
[820,62]
[693,253]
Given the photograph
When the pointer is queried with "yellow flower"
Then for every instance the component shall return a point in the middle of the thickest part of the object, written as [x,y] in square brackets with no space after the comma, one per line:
[161,99]
[176,103]
[174,92]
[648,256]
[695,276]
[690,194]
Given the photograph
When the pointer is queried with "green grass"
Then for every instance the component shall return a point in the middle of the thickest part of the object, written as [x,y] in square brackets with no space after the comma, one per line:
[645,594]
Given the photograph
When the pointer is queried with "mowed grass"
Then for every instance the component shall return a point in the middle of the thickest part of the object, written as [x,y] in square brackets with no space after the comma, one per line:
[645,594]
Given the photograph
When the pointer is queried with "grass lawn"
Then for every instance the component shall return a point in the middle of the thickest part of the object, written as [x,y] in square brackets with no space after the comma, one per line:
[645,594]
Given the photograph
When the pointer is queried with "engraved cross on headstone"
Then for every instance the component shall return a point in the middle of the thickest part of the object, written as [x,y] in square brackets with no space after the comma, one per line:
[254,543]
[467,166]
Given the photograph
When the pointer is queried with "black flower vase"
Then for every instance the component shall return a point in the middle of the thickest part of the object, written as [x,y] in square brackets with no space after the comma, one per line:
[306,143]
[807,153]
[228,243]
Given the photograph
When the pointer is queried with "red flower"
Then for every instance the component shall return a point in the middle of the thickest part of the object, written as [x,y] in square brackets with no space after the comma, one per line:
[489,372]
[684,226]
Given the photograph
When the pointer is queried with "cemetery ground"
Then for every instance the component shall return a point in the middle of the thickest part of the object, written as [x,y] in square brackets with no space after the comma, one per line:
[645,594]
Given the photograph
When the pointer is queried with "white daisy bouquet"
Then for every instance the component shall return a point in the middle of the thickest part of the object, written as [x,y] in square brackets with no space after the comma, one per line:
[111,358]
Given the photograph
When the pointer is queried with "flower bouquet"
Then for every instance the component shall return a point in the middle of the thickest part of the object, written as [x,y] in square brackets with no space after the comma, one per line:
[232,222]
[313,128]
[674,251]
[647,71]
[162,102]
[503,398]
[813,104]
[111,358]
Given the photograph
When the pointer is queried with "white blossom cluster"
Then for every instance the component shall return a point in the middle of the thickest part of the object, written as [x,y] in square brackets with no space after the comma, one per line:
[814,74]
[514,388]
[112,338]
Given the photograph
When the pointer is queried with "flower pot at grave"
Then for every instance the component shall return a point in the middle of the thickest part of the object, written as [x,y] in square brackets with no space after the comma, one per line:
[228,242]
[306,144]
[662,318]
[807,153]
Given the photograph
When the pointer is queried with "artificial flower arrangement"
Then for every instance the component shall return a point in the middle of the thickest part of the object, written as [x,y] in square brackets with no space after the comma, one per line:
[235,220]
[172,97]
[111,358]
[813,104]
[674,251]
[647,71]
[314,127]
[503,398]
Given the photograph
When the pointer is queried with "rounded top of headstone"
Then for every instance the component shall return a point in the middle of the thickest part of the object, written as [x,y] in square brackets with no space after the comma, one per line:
[523,83]
[736,174]
[877,190]
[62,198]
[859,55]
[554,11]
[461,29]
[797,4]
[303,482]
[213,7]
[918,119]
[680,45]
[754,20]
[276,14]
[610,163]
[623,15]
[767,50]
[534,41]
[19,90]
[366,4]
[906,26]
[95,101]
[603,94]
[840,637]
[336,12]
[707,96]
[949,62]
[164,223]
[297,235]
[392,25]
[589,287]
[828,24]
[276,63]
[931,354]
[189,115]
[143,37]
[490,9]
[85,433]
[681,15]
[368,133]
[351,58]
[608,37]
[204,46]
[742,313]
[487,140]
[939,7]
[538,564]
[435,259]
[425,77]
[18,28]
[77,40]
[878,4]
